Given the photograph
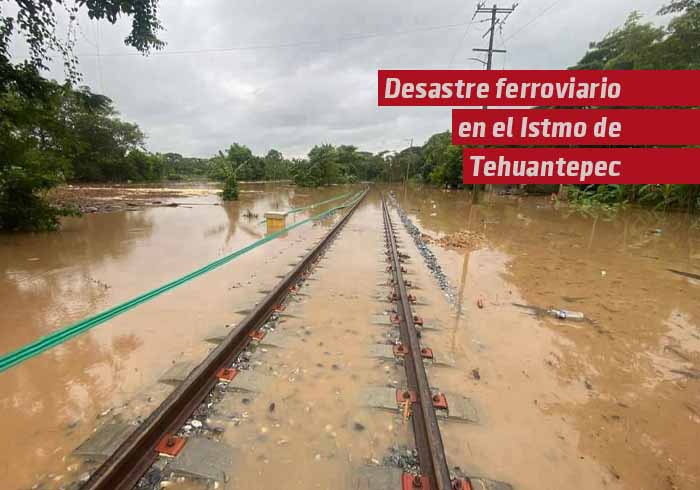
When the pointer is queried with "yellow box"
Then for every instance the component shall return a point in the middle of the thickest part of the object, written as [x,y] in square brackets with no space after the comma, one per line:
[276,220]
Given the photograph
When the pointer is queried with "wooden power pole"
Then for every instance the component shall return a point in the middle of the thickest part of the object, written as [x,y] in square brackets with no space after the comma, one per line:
[494,12]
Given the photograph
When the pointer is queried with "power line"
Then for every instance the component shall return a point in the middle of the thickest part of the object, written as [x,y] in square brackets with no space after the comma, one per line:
[466,31]
[99,56]
[534,19]
[292,44]
[503,45]
[493,13]
[461,41]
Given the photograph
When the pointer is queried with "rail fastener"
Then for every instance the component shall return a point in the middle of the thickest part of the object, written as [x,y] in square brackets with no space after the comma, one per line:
[226,374]
[170,445]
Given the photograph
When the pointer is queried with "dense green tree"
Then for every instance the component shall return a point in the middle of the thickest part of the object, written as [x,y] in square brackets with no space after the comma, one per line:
[449,171]
[371,167]
[276,167]
[31,160]
[349,162]
[624,48]
[441,161]
[637,46]
[253,170]
[39,118]
[433,153]
[680,49]
[678,6]
[320,168]
[305,174]
[98,142]
[238,163]
[142,166]
[230,192]
[323,159]
[643,46]
[178,167]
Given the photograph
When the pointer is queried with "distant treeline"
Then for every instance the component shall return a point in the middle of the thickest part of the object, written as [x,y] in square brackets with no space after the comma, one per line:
[52,133]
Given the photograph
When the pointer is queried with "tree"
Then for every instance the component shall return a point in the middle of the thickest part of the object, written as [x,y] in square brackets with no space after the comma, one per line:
[448,171]
[321,167]
[306,174]
[681,48]
[35,22]
[637,46]
[624,48]
[230,166]
[276,167]
[230,192]
[349,162]
[178,167]
[45,128]
[98,142]
[644,46]
[678,6]
[325,159]
[31,161]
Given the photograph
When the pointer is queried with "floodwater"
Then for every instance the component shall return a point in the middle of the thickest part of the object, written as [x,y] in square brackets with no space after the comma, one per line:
[610,402]
[319,435]
[53,402]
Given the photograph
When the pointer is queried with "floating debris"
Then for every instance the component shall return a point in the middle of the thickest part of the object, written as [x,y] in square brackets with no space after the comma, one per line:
[689,275]
[690,373]
[567,315]
[560,314]
[459,240]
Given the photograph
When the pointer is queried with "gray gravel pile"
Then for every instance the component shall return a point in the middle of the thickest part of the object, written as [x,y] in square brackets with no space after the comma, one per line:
[428,256]
[403,457]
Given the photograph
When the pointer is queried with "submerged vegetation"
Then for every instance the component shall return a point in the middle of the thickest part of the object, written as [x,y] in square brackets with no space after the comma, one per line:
[230,192]
[53,133]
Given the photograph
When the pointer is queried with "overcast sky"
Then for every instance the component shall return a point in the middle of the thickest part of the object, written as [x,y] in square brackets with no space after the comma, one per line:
[307,70]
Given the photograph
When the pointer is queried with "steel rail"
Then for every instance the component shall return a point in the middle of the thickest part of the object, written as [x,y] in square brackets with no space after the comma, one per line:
[123,469]
[431,452]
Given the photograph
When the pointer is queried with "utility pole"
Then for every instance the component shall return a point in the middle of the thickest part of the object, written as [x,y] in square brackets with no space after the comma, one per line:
[494,12]
[495,21]
[410,154]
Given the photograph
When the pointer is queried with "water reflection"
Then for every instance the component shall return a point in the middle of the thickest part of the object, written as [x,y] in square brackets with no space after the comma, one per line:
[50,404]
[40,271]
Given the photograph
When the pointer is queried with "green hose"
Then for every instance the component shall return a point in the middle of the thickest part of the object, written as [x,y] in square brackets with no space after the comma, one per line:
[56,338]
[311,206]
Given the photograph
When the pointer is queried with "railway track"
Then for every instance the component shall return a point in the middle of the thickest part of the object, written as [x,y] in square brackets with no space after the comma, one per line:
[157,434]
[419,397]
[165,433]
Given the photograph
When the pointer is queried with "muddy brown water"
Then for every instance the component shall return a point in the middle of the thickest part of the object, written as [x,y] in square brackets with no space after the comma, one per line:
[562,404]
[51,403]
[575,404]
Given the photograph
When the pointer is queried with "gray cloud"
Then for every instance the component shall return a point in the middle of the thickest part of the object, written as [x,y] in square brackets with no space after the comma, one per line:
[322,86]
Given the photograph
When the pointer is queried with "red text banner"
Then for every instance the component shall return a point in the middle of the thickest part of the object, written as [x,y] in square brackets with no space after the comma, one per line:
[551,127]
[571,88]
[581,165]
